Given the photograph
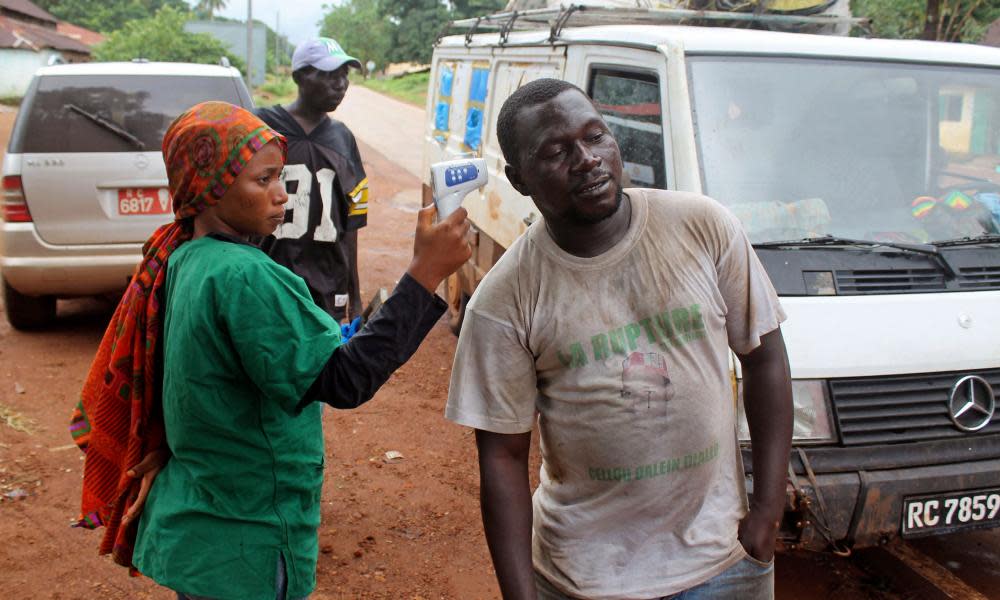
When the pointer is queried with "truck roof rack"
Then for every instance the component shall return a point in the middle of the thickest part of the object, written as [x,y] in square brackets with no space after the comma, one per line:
[580,15]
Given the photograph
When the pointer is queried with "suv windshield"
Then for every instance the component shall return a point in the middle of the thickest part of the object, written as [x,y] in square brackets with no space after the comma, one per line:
[800,148]
[112,113]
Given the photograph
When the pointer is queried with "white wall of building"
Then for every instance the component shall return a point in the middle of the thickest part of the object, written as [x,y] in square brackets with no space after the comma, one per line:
[19,66]
[234,35]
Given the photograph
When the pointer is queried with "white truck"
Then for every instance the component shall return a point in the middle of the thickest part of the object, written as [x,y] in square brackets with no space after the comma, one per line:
[867,174]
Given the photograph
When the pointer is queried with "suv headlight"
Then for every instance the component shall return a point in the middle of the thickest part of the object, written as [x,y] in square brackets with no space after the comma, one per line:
[812,423]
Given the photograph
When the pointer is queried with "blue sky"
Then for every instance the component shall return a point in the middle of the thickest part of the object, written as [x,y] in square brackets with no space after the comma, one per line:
[298,20]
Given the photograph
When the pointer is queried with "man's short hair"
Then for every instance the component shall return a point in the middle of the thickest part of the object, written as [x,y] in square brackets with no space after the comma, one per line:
[530,94]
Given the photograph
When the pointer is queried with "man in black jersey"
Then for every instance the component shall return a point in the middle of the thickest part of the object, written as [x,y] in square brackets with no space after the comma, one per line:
[326,182]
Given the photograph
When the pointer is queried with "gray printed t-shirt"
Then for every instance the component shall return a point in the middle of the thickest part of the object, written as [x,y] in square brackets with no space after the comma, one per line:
[624,359]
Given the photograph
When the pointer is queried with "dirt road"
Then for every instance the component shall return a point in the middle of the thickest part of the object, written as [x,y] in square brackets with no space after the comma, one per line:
[400,530]
[389,126]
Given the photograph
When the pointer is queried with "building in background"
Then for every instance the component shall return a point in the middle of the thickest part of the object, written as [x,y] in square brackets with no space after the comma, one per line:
[234,35]
[31,38]
[80,34]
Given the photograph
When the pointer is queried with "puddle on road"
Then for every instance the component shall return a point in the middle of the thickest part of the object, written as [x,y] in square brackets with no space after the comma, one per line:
[406,201]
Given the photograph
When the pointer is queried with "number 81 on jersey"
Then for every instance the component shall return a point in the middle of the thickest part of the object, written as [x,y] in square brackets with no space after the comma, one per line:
[300,199]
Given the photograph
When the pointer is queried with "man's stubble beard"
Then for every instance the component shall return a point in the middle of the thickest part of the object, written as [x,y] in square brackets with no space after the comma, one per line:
[585,219]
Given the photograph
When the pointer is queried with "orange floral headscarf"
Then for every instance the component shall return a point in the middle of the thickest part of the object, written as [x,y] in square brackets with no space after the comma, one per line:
[118,419]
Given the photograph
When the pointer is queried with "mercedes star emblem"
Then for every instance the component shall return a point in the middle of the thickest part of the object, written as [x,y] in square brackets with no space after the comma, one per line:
[971,404]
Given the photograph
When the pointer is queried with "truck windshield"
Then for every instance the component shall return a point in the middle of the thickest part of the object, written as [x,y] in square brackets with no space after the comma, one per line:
[801,148]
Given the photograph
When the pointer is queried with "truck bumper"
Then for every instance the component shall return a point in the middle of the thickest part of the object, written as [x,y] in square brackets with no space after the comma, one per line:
[865,508]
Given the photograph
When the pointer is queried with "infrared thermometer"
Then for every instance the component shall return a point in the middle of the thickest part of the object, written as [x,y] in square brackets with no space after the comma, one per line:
[451,180]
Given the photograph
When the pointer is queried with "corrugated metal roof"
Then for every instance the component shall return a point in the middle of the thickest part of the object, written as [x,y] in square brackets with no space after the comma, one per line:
[27,8]
[81,34]
[27,36]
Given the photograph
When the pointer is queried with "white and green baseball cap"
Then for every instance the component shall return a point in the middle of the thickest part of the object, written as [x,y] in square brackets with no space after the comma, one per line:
[322,53]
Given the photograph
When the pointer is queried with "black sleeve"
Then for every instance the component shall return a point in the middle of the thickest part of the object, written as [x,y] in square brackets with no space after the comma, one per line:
[357,369]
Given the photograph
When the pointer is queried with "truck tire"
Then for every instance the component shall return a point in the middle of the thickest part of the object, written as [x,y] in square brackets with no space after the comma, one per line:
[27,312]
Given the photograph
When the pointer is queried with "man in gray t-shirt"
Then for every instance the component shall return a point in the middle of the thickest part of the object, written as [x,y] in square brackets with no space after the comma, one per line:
[611,322]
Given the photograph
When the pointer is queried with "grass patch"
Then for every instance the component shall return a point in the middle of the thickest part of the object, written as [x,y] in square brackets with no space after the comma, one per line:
[14,101]
[411,89]
[277,89]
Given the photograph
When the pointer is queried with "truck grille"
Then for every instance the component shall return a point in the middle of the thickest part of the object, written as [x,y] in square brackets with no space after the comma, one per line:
[905,408]
[912,281]
[895,281]
[980,278]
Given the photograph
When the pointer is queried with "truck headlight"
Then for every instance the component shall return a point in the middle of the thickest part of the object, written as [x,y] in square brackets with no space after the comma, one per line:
[812,421]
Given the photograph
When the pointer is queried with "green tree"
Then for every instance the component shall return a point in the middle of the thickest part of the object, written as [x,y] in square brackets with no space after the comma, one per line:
[360,28]
[417,25]
[209,7]
[464,9]
[397,30]
[162,37]
[950,20]
[106,15]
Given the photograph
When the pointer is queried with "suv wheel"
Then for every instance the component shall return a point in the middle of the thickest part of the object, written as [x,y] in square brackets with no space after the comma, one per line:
[27,312]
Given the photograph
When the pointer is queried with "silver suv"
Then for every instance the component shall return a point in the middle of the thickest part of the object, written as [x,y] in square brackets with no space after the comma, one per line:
[84,183]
